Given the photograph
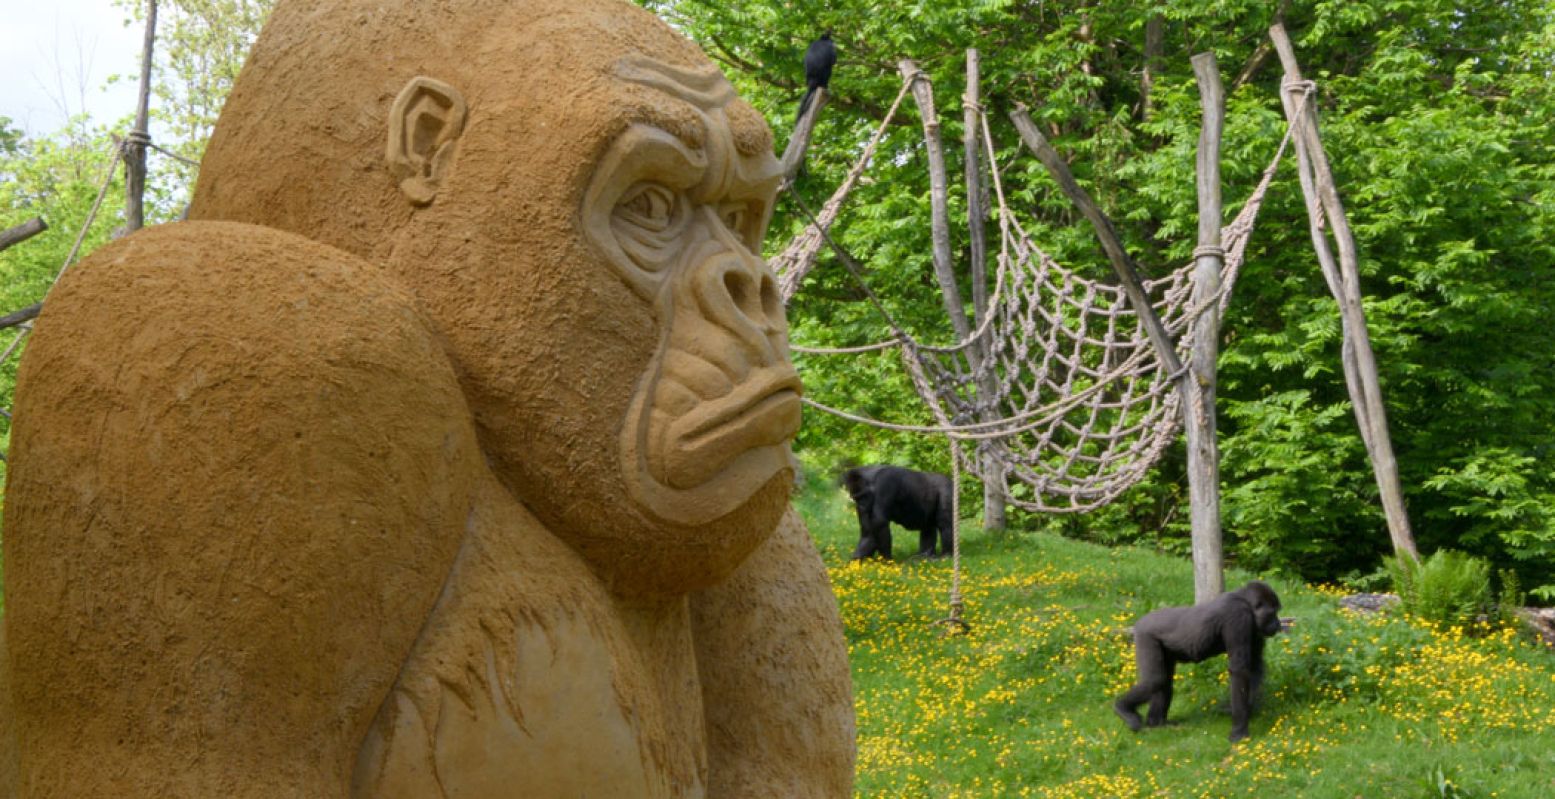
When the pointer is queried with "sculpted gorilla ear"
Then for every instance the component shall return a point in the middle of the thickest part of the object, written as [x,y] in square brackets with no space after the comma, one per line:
[424,124]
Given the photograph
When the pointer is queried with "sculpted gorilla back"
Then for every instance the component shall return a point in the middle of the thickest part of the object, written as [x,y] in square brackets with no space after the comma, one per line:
[445,455]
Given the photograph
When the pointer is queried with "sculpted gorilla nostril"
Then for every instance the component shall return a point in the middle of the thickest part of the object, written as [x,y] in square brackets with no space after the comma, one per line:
[743,294]
[771,300]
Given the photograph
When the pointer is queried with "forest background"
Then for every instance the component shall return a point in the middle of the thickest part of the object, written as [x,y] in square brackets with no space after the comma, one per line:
[1439,118]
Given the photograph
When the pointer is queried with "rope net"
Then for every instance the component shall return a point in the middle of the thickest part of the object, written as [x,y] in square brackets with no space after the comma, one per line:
[1059,387]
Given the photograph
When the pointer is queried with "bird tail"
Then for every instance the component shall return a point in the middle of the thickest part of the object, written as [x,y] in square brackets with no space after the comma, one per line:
[804,104]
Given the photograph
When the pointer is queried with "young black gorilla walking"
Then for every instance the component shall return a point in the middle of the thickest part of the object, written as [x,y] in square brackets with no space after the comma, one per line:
[818,62]
[1234,623]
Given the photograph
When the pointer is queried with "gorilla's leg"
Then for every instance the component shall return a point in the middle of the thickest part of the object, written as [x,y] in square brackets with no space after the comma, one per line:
[946,524]
[1246,665]
[926,541]
[1161,700]
[1154,684]
[874,537]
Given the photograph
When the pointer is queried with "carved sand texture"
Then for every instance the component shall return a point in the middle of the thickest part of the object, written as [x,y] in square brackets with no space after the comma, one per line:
[444,455]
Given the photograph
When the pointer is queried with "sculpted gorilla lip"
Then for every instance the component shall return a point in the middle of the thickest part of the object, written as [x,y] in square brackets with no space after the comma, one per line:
[753,399]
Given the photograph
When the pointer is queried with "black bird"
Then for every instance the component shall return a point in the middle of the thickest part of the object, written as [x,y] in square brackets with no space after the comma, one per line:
[818,61]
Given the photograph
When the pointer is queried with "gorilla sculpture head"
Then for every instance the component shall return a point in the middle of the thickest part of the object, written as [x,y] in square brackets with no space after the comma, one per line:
[621,344]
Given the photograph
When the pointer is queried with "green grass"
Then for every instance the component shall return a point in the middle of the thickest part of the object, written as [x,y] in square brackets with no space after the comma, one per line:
[1355,706]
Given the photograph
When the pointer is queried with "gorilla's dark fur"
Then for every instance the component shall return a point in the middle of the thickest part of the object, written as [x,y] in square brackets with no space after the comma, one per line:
[1234,623]
[916,500]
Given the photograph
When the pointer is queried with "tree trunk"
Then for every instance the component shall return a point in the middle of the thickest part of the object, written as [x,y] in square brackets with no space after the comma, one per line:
[990,468]
[135,143]
[1199,415]
[1343,278]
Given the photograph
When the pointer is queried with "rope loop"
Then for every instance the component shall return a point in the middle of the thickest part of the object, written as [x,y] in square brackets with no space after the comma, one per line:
[1209,249]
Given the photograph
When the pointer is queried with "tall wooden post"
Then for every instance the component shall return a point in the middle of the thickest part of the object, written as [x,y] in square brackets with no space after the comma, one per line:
[799,143]
[939,199]
[135,143]
[990,469]
[1199,414]
[1343,278]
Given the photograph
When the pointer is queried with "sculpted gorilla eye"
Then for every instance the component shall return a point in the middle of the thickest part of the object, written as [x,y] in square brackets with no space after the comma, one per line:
[648,222]
[651,206]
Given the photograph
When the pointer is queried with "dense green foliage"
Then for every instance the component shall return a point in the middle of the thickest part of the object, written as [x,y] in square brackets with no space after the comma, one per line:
[1437,117]
[1374,705]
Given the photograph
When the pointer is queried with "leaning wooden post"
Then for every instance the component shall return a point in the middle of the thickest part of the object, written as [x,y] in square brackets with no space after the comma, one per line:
[799,143]
[1360,364]
[990,469]
[135,143]
[1207,572]
[1199,415]
[939,199]
[1111,244]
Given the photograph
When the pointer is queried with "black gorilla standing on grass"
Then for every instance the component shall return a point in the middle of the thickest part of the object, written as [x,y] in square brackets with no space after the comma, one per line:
[1234,623]
[818,62]
[916,500]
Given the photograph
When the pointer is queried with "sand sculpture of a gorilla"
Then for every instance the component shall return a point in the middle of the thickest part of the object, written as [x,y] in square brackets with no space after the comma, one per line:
[445,454]
[1234,624]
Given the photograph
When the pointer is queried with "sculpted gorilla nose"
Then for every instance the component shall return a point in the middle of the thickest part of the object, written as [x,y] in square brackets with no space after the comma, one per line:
[756,296]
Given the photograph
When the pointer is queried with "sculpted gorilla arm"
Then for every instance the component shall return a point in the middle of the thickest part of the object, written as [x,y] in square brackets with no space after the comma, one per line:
[773,659]
[265,445]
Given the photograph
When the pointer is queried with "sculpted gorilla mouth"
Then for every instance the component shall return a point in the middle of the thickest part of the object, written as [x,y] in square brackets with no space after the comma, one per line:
[762,411]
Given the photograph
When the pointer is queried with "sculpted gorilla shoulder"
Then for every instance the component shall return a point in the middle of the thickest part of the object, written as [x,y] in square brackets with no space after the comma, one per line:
[446,454]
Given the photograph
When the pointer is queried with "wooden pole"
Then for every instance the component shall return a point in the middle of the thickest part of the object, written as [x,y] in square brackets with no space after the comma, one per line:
[1128,273]
[799,143]
[989,468]
[135,143]
[1360,364]
[939,199]
[1199,418]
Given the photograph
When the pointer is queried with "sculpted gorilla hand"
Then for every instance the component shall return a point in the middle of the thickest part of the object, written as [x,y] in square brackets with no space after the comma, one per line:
[1234,623]
[917,500]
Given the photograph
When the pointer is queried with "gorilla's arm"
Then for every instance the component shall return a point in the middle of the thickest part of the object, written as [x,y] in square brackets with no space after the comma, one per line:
[243,508]
[779,703]
[1244,659]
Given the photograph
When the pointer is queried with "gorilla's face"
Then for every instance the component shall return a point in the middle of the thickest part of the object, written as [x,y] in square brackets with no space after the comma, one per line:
[623,346]
[679,217]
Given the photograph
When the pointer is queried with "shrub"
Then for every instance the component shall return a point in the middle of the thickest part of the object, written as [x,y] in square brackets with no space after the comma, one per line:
[1447,588]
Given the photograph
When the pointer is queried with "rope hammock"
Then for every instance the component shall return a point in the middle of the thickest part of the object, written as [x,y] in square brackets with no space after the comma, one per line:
[1059,386]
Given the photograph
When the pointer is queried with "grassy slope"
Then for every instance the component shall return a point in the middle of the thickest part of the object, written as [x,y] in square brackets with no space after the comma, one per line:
[1355,706]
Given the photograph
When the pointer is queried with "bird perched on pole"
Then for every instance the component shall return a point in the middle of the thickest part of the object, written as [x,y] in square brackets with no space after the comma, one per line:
[818,62]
